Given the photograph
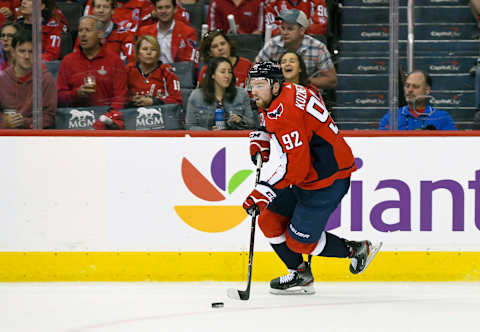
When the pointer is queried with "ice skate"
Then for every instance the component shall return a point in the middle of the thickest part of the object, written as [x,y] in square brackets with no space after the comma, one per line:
[299,281]
[362,253]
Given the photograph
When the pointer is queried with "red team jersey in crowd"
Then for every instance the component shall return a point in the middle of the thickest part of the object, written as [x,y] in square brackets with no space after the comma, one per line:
[315,10]
[52,39]
[110,77]
[248,16]
[313,153]
[184,41]
[120,41]
[240,71]
[134,14]
[162,83]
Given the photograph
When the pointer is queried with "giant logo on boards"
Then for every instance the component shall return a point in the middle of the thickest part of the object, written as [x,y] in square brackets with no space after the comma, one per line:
[405,221]
[211,217]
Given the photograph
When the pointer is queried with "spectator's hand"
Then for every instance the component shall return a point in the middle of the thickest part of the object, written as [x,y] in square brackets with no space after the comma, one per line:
[234,118]
[85,90]
[142,100]
[14,120]
[257,32]
[5,11]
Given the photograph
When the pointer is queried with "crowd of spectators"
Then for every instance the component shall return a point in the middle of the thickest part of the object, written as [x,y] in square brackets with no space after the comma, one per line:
[125,52]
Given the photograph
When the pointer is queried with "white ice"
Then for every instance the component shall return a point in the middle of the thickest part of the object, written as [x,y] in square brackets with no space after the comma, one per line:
[352,307]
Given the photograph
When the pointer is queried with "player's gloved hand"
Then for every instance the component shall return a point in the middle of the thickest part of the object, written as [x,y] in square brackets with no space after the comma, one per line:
[259,198]
[259,143]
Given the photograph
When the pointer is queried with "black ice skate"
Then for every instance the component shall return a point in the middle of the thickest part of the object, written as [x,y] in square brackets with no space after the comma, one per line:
[299,281]
[362,253]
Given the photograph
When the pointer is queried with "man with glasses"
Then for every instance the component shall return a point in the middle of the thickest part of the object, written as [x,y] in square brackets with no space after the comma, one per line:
[7,31]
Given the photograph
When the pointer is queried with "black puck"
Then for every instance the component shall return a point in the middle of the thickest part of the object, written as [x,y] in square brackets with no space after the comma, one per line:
[217,305]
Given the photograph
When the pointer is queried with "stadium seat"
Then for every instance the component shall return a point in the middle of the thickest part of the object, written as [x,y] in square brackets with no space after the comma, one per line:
[248,45]
[72,11]
[186,74]
[164,117]
[53,67]
[197,15]
[185,95]
[67,44]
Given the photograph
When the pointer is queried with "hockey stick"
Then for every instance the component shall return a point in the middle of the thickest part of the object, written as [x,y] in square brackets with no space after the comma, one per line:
[245,294]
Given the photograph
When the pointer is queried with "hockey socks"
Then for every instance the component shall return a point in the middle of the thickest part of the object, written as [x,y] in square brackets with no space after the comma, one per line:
[335,247]
[290,258]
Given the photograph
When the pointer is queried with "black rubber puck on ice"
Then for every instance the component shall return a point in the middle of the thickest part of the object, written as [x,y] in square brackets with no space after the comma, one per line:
[217,305]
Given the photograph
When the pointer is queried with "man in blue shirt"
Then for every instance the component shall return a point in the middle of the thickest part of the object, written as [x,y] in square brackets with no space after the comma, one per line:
[417,114]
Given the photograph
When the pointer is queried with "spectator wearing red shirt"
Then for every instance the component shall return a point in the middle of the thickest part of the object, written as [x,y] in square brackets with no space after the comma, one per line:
[93,75]
[248,15]
[151,82]
[16,91]
[315,10]
[52,27]
[178,41]
[215,44]
[120,41]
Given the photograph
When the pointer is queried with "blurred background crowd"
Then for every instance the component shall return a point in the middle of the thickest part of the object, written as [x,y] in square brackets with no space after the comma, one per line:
[166,64]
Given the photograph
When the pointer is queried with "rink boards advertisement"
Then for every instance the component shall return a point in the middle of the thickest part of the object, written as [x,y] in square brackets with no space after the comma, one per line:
[134,208]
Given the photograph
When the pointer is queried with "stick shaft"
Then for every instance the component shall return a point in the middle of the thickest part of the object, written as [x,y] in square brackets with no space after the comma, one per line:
[252,231]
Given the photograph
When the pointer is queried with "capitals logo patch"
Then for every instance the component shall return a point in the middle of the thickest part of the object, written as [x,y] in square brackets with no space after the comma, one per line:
[276,113]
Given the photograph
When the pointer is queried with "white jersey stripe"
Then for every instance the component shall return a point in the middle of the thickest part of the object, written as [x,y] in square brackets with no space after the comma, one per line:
[320,245]
[278,239]
[280,172]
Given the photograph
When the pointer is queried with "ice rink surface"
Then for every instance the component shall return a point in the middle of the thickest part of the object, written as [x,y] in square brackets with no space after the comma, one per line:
[174,307]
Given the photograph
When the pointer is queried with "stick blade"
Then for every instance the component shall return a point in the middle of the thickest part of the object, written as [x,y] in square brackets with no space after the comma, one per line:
[238,294]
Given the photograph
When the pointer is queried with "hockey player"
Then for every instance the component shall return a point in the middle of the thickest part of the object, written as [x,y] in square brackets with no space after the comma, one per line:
[313,176]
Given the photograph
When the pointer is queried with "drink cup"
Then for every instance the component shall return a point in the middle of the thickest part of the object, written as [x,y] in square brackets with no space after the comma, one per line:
[8,112]
[90,81]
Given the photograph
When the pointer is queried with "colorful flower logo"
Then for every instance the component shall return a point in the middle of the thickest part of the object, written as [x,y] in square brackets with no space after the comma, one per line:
[212,218]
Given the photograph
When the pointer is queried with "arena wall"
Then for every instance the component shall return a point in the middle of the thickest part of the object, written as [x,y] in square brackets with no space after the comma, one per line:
[166,206]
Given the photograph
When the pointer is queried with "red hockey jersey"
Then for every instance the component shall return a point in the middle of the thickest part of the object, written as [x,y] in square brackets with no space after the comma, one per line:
[315,10]
[52,39]
[162,83]
[184,41]
[248,15]
[240,71]
[313,153]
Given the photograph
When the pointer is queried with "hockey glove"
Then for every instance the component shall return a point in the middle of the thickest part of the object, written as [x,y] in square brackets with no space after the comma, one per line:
[259,198]
[259,143]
